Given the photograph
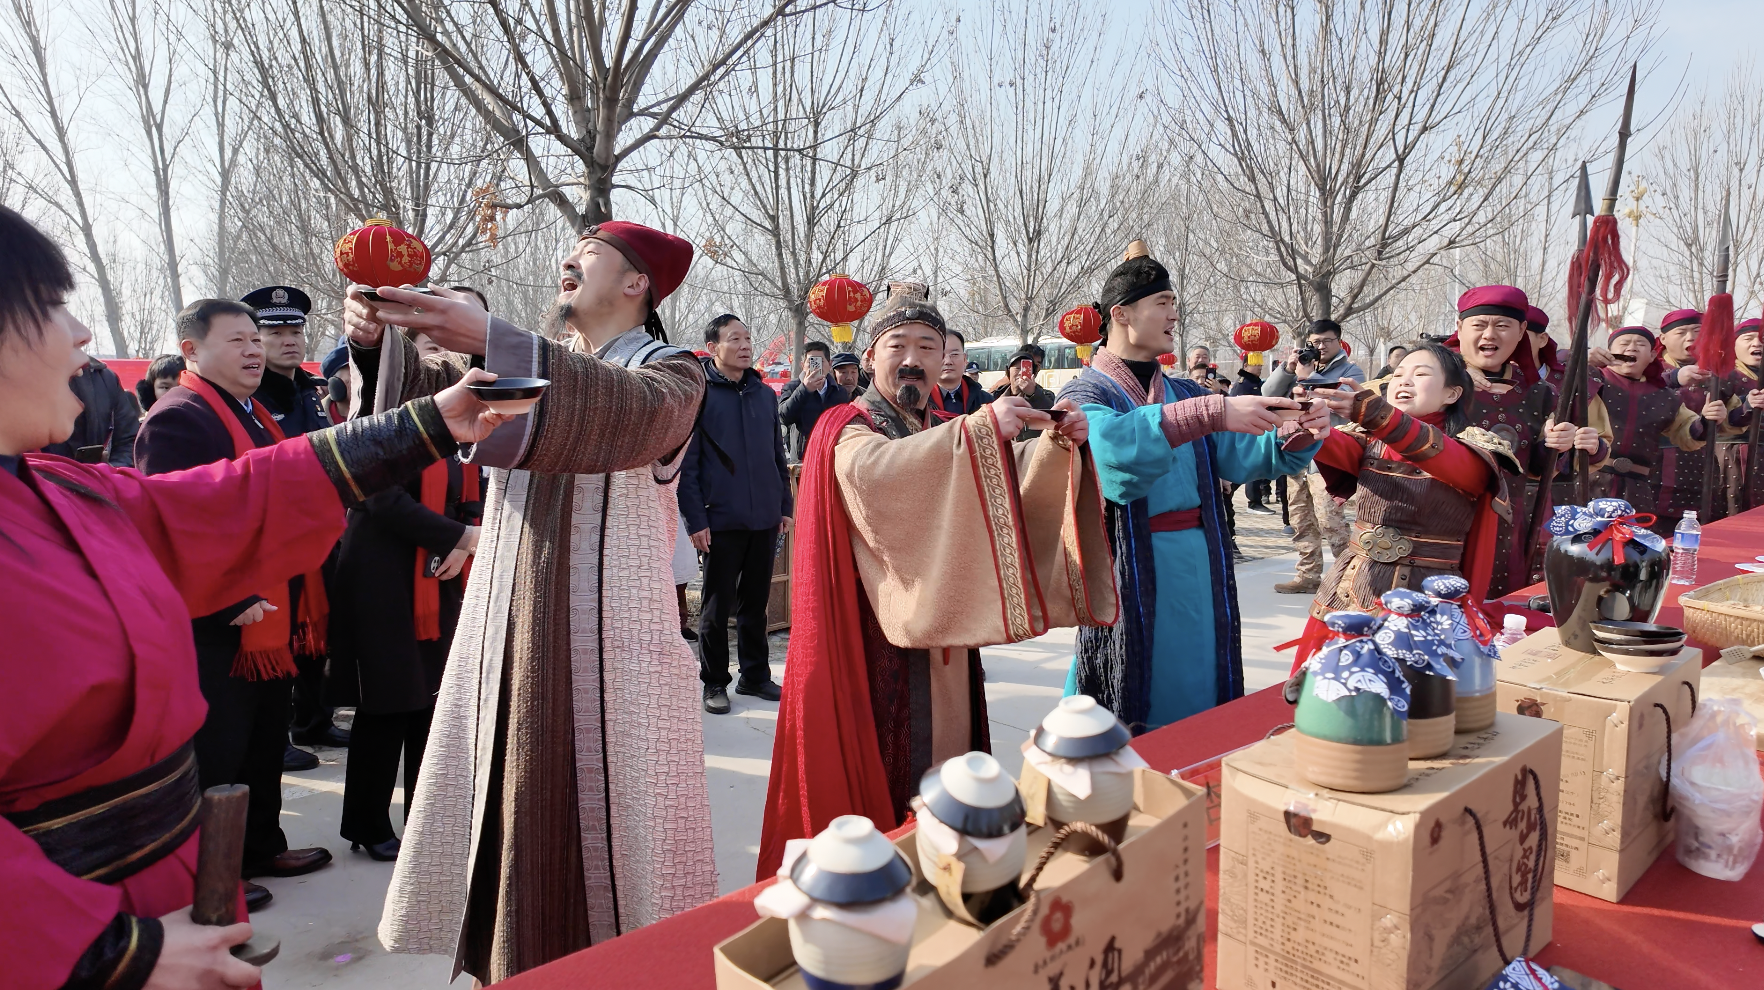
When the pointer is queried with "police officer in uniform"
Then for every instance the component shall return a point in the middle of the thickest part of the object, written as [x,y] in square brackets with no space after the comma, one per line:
[293,397]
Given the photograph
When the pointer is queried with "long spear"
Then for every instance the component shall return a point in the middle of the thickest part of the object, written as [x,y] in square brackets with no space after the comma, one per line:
[1715,354]
[1583,208]
[1602,255]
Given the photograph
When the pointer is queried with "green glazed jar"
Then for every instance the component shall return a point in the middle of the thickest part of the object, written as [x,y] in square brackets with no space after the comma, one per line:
[1363,719]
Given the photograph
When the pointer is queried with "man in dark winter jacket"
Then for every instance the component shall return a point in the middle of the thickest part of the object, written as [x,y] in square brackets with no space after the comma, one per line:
[105,432]
[1020,372]
[810,394]
[735,497]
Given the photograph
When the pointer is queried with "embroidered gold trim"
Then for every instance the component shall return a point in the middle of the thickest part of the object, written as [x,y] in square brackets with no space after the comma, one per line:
[113,802]
[423,430]
[122,965]
[996,500]
[337,455]
[147,849]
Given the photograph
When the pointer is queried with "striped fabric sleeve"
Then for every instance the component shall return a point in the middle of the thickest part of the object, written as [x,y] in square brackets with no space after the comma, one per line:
[122,957]
[1405,435]
[369,455]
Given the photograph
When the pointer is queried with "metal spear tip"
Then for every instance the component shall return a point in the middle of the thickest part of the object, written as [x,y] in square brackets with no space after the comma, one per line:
[1583,203]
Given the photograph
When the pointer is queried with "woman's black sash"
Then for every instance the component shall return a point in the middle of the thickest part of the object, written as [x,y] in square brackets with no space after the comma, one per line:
[113,831]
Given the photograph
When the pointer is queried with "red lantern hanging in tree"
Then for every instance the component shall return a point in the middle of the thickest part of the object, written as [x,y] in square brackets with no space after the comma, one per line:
[1082,326]
[1167,359]
[1256,335]
[377,253]
[840,300]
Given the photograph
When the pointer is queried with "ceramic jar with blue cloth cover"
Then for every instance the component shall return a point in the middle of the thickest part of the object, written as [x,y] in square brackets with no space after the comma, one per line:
[1411,635]
[1603,563]
[972,837]
[845,895]
[1461,623]
[1350,728]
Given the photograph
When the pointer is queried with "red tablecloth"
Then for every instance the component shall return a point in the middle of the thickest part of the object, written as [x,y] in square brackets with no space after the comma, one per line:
[1675,930]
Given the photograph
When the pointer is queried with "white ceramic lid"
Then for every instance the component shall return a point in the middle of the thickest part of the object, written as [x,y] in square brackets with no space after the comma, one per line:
[850,844]
[1078,716]
[976,779]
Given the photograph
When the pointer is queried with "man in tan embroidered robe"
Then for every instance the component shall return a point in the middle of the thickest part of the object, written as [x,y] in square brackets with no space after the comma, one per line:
[920,537]
[562,797]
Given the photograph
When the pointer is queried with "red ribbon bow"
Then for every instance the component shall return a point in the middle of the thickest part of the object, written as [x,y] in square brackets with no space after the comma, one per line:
[1618,532]
[1476,619]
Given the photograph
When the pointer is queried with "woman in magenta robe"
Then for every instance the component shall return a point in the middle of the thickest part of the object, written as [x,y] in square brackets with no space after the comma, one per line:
[100,571]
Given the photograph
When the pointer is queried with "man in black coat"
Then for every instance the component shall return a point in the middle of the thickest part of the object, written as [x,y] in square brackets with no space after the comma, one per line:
[1020,372]
[246,731]
[735,497]
[811,393]
[291,394]
[105,431]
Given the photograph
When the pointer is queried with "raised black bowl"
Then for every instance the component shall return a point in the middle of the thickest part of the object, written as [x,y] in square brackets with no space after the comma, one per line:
[509,389]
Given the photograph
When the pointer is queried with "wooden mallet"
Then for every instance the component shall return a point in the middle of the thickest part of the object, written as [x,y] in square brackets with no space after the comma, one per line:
[219,855]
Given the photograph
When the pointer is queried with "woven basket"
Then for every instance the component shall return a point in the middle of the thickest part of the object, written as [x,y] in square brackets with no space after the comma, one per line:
[1726,613]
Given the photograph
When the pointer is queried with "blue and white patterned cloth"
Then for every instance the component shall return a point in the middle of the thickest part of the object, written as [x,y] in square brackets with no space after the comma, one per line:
[1347,666]
[1593,517]
[1412,634]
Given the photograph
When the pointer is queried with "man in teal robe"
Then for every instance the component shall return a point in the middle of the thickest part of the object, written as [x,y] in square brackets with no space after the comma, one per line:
[1162,446]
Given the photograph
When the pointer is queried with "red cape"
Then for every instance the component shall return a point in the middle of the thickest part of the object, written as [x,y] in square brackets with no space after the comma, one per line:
[826,761]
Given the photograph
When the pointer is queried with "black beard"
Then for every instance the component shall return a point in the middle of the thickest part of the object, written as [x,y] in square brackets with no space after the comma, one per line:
[557,321]
[908,396]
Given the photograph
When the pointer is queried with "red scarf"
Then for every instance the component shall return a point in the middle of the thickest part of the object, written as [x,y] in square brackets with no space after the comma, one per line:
[826,760]
[267,646]
[428,590]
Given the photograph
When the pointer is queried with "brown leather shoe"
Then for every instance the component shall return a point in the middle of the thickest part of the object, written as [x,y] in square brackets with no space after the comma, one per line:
[1297,587]
[293,863]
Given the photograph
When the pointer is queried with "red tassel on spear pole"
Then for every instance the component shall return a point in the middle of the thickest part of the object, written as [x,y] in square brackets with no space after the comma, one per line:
[1714,354]
[1598,273]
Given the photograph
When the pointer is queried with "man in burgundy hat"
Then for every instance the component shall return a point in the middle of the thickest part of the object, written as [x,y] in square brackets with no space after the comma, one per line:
[1683,473]
[1515,404]
[562,797]
[1644,416]
[1745,396]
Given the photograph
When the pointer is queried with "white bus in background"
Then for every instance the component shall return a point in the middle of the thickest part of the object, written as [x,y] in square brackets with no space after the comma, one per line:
[1062,364]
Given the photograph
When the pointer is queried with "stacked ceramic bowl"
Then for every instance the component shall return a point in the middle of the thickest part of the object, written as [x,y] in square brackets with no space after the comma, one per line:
[1638,646]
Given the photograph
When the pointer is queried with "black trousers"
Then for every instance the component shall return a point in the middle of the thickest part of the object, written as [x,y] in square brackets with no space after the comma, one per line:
[1259,491]
[737,574]
[242,742]
[309,714]
[375,745]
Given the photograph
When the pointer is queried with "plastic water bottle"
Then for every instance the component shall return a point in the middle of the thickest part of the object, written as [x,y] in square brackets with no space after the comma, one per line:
[1684,548]
[1512,630]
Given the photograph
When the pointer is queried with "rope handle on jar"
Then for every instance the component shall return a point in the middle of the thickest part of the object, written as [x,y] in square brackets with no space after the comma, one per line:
[1033,896]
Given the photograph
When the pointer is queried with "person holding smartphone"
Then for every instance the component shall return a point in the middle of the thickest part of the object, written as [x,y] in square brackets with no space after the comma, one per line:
[1020,382]
[1316,516]
[812,393]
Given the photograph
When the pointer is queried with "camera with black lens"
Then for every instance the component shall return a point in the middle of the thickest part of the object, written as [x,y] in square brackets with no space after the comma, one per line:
[1309,355]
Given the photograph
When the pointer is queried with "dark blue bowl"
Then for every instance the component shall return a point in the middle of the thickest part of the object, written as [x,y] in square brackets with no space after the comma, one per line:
[982,823]
[852,888]
[1082,747]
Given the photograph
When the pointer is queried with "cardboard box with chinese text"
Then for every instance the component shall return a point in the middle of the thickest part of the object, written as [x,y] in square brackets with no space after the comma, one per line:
[1611,825]
[1328,890]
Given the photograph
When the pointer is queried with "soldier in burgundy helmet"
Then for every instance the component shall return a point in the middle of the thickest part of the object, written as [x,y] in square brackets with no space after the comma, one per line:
[1745,396]
[1643,414]
[1511,402]
[1683,473]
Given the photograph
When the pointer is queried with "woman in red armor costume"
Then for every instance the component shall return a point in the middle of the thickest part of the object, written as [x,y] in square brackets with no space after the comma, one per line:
[1431,487]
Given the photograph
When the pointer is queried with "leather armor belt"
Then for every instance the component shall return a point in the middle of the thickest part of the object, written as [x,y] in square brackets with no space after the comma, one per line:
[113,831]
[1171,522]
[1389,545]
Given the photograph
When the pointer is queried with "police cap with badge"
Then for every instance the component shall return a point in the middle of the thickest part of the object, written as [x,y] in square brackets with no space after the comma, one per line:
[278,306]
